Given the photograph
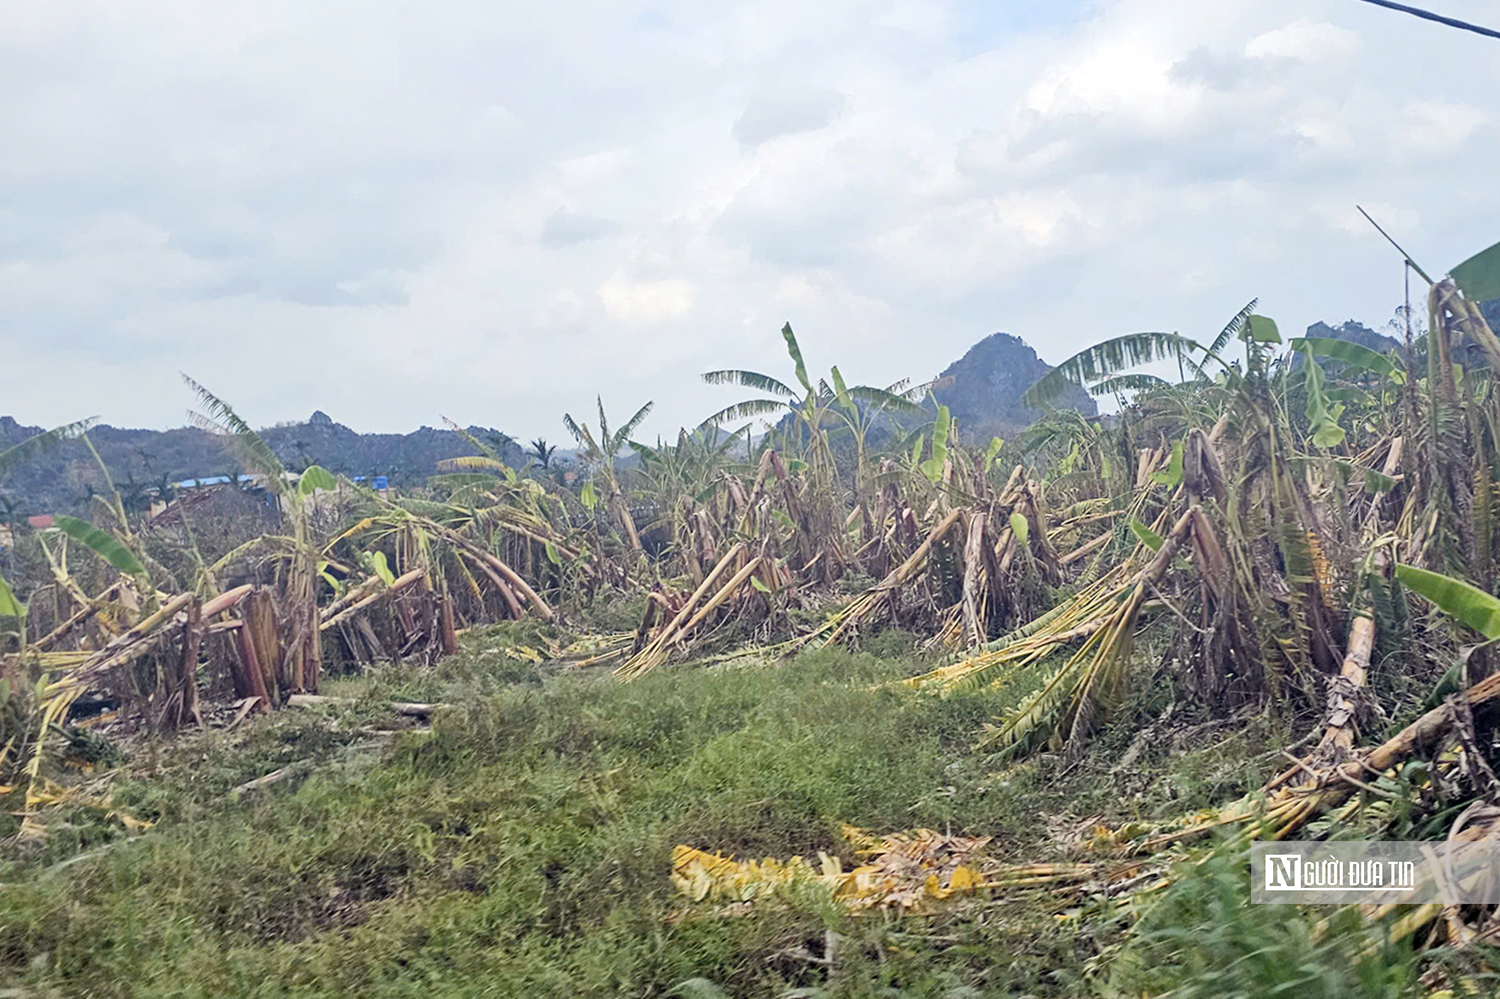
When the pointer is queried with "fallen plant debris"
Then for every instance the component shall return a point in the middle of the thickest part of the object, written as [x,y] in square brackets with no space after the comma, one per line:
[910,872]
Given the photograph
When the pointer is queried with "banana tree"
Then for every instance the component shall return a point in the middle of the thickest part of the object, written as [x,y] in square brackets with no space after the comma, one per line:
[1261,523]
[600,452]
[863,407]
[1461,416]
[690,484]
[123,555]
[295,500]
[1074,448]
[12,616]
[803,407]
[1103,369]
[815,407]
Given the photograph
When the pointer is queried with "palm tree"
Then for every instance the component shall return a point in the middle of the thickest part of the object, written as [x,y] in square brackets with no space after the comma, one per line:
[133,495]
[600,453]
[166,491]
[541,452]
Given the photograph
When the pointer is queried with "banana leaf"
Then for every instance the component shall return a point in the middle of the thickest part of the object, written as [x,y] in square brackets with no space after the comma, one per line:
[101,543]
[1479,276]
[1456,598]
[9,605]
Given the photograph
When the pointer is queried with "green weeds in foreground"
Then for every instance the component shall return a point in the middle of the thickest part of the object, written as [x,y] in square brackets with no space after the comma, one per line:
[522,848]
[1204,941]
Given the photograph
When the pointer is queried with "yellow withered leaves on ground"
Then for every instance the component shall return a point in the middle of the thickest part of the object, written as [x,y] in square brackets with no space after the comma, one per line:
[964,879]
[907,872]
[904,871]
[703,876]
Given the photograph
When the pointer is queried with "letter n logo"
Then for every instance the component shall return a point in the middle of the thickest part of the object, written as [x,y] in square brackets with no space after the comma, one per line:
[1283,872]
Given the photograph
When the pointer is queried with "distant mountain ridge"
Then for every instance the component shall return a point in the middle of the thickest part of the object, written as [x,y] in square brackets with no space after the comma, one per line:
[1355,332]
[987,385]
[983,392]
[141,460]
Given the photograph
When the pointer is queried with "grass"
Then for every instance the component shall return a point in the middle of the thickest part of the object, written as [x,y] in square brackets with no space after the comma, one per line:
[521,848]
[1204,942]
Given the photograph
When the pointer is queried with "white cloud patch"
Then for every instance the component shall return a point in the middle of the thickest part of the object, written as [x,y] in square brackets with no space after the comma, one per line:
[498,213]
[639,302]
[1305,41]
[1434,128]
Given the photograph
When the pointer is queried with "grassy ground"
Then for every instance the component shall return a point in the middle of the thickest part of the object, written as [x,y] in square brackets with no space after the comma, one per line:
[521,847]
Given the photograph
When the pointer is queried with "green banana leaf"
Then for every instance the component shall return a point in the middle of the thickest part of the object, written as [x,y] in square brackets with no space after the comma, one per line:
[1479,276]
[1148,537]
[1352,354]
[9,605]
[316,477]
[1454,597]
[1020,528]
[1263,329]
[101,543]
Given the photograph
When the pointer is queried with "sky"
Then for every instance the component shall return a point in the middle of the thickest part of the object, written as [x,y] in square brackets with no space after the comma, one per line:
[492,212]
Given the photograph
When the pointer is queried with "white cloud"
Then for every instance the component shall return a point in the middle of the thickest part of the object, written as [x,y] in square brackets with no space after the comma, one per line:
[498,213]
[1305,41]
[638,302]
[1435,128]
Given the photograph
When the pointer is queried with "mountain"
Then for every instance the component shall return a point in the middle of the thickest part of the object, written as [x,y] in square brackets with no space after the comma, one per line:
[1355,333]
[983,391]
[987,385]
[141,460]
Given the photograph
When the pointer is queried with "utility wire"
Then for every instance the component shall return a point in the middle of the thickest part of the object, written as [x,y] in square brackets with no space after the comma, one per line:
[1440,19]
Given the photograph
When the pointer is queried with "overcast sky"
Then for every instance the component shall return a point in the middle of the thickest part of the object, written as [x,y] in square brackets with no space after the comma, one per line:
[492,211]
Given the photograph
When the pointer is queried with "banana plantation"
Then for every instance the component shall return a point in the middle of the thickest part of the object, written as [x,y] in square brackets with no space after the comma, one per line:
[1289,542]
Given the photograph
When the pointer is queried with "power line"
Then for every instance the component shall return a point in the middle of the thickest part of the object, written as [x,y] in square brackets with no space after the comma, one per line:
[1440,19]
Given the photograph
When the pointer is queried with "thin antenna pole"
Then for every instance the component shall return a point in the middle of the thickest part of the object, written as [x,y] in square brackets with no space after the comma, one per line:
[1440,19]
[1406,273]
[1397,245]
[1408,389]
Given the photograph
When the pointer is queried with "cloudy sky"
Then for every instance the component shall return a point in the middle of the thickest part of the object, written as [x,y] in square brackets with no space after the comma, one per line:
[492,211]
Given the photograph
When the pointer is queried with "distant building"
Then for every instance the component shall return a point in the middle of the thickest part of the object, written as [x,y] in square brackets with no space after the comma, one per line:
[216,480]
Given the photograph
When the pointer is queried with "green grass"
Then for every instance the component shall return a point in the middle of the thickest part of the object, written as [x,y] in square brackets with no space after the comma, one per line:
[1203,941]
[522,847]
